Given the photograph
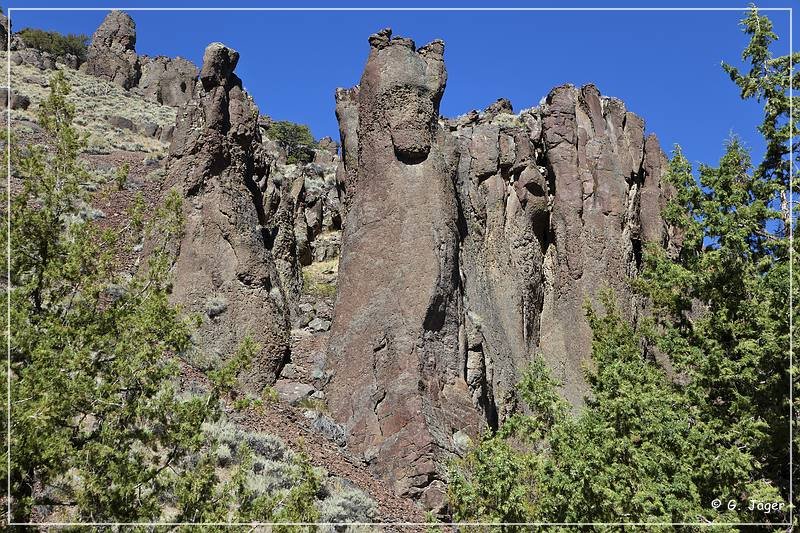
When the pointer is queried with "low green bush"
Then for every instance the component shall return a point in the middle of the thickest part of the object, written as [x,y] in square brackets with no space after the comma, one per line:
[56,43]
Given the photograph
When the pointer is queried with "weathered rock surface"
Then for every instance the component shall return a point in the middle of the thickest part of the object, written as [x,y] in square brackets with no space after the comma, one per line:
[112,56]
[217,163]
[112,53]
[5,28]
[166,80]
[607,202]
[33,57]
[397,376]
[14,100]
[469,247]
[503,197]
[292,391]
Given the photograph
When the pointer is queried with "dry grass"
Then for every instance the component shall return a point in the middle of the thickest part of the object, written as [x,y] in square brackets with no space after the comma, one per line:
[319,279]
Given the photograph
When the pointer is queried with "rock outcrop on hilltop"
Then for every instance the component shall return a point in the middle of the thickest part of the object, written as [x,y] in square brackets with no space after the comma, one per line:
[4,31]
[469,247]
[112,53]
[168,81]
[224,268]
[112,56]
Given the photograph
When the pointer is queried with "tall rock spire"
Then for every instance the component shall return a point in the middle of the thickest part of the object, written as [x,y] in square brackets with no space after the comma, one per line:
[224,269]
[397,380]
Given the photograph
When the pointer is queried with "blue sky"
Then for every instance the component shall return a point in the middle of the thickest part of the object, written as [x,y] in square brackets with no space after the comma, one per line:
[664,65]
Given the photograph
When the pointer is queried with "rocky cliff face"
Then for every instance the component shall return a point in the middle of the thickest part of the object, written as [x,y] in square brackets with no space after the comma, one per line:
[224,268]
[607,202]
[469,247]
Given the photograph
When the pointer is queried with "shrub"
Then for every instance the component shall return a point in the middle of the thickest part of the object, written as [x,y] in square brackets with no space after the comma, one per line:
[313,404]
[267,446]
[121,176]
[224,455]
[56,43]
[347,505]
[269,395]
[329,429]
[317,287]
[216,305]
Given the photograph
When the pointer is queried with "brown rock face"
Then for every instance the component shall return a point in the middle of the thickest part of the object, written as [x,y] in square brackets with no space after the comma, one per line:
[112,54]
[594,153]
[168,81]
[469,247]
[394,340]
[504,222]
[224,268]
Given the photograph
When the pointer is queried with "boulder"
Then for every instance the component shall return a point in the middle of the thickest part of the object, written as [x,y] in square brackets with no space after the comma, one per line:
[69,61]
[20,101]
[121,123]
[166,133]
[292,392]
[15,101]
[33,57]
[147,128]
[319,324]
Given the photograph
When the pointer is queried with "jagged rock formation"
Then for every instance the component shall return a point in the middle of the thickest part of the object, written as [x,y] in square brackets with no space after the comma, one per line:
[166,80]
[112,53]
[606,203]
[394,346]
[112,56]
[5,29]
[503,196]
[469,246]
[224,267]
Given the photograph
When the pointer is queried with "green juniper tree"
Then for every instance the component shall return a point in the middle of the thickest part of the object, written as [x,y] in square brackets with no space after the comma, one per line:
[99,428]
[92,355]
[295,139]
[646,448]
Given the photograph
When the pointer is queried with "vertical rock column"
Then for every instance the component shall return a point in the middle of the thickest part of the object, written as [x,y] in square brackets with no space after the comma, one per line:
[594,151]
[224,269]
[112,54]
[397,379]
[504,210]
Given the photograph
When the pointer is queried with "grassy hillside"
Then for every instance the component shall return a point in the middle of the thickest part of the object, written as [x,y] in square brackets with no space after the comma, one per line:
[96,101]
